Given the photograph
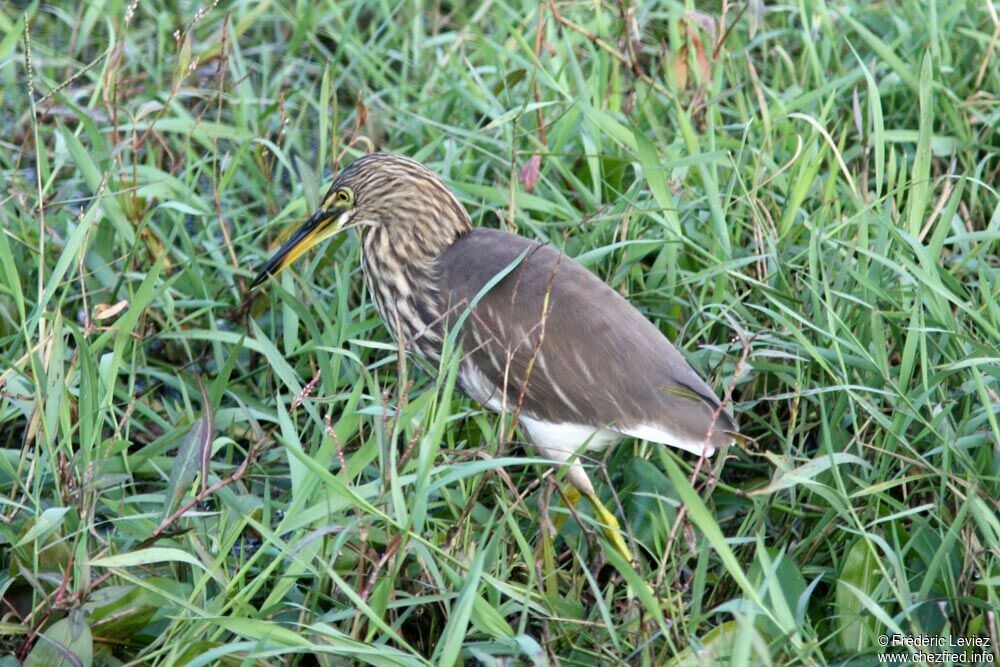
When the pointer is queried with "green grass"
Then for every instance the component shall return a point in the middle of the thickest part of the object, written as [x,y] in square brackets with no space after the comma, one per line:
[804,197]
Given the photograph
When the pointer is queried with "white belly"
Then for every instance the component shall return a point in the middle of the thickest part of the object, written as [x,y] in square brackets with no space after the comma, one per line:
[566,437]
[560,440]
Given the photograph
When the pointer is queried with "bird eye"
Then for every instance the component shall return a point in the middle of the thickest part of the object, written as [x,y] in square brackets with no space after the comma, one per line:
[340,197]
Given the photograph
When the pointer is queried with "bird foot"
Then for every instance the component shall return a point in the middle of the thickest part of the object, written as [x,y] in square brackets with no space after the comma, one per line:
[609,524]
[612,529]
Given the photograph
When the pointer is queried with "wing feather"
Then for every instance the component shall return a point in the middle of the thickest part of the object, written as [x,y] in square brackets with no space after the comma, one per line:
[566,347]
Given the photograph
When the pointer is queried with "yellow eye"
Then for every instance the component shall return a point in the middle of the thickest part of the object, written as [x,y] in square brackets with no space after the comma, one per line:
[341,197]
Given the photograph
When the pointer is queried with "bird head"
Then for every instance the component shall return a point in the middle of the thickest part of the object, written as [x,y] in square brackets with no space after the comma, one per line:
[381,193]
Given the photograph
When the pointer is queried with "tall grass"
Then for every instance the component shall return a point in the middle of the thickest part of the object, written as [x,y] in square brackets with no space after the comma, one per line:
[803,195]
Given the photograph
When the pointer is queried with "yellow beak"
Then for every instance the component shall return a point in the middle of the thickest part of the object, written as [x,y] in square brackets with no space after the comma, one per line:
[321,226]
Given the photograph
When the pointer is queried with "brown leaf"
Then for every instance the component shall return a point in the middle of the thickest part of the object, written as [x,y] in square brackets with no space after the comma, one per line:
[103,311]
[699,52]
[679,61]
[530,172]
[362,114]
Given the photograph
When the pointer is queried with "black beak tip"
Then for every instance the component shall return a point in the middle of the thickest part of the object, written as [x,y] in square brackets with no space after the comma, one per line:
[274,264]
[261,278]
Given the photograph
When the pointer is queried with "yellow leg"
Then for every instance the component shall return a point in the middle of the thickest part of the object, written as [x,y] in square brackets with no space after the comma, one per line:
[612,530]
[572,497]
[610,526]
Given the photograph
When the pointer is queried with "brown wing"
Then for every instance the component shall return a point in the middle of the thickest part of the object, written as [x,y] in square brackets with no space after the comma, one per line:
[563,345]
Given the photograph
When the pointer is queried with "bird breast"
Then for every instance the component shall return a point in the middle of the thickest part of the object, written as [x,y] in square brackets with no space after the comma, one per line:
[404,293]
